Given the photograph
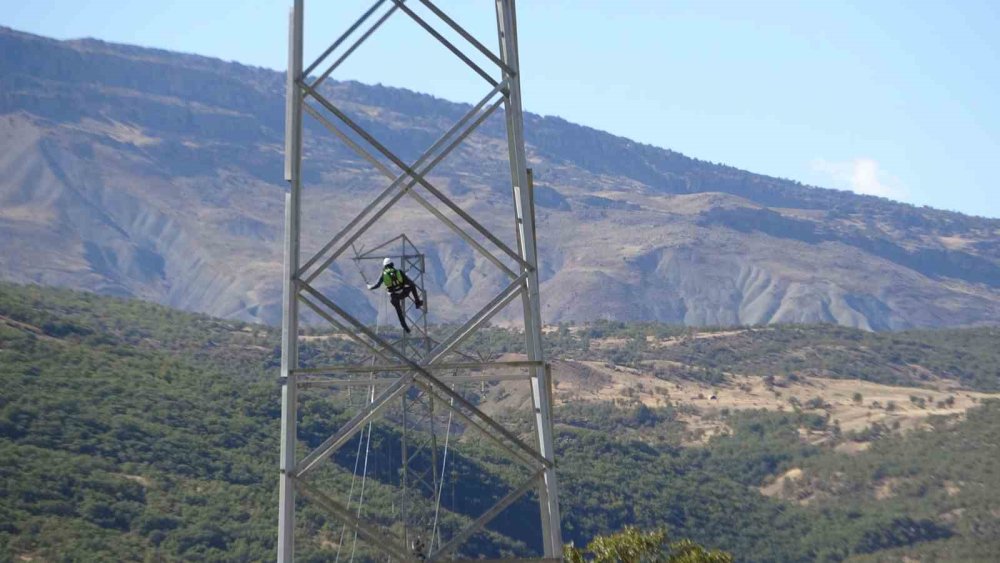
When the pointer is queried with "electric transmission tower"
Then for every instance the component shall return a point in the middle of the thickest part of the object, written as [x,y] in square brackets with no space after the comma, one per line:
[425,375]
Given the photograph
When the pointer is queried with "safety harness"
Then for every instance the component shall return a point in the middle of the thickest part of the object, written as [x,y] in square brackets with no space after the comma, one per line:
[393,280]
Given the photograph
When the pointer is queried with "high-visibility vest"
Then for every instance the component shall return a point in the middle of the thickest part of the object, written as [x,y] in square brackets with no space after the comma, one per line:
[392,278]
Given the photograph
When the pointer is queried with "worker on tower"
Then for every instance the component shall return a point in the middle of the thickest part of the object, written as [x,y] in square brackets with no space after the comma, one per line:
[398,286]
[418,548]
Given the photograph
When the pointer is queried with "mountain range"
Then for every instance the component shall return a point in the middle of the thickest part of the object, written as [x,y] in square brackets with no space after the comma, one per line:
[145,173]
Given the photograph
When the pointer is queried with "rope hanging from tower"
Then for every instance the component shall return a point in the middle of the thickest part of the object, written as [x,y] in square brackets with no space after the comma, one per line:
[382,321]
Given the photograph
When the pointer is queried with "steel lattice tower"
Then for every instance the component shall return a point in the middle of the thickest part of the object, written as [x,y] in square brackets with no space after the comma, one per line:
[403,374]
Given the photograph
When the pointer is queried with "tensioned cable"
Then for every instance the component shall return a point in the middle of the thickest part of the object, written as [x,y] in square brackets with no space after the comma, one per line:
[364,477]
[361,440]
[444,465]
[444,461]
[350,495]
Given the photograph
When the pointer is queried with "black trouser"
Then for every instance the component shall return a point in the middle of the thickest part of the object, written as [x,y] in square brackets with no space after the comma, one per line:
[398,299]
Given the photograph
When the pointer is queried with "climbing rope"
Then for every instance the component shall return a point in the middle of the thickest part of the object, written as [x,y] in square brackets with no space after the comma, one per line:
[362,438]
[364,475]
[381,315]
[350,494]
[444,464]
[368,444]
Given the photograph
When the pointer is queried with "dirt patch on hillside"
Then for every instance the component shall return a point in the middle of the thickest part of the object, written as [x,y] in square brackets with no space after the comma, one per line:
[135,479]
[674,341]
[851,406]
[774,489]
[851,448]
[854,405]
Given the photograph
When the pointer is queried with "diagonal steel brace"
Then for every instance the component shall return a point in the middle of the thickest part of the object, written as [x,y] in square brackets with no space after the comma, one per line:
[368,156]
[425,377]
[419,178]
[376,538]
[456,541]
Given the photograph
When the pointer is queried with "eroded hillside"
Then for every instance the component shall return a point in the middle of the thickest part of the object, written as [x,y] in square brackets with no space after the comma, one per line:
[145,173]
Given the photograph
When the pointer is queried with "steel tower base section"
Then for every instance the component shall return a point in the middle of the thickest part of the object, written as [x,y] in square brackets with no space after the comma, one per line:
[400,373]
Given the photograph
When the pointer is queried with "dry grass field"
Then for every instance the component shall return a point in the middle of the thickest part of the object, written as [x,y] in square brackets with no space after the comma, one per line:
[852,404]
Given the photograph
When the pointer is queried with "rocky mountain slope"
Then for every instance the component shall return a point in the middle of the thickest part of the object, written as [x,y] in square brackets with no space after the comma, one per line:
[139,172]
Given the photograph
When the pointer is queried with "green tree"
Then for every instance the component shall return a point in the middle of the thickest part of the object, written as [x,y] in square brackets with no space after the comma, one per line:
[633,546]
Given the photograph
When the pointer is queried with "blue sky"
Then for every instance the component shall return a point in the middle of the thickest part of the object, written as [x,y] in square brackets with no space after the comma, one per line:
[898,99]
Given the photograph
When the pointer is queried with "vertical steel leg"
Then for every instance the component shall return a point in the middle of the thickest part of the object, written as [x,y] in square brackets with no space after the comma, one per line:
[524,217]
[289,323]
[286,488]
[296,285]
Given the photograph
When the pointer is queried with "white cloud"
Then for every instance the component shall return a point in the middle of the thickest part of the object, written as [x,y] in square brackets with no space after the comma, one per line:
[861,175]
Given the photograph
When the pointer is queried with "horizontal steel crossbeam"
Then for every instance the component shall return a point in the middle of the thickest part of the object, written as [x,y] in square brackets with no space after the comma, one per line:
[399,368]
[438,366]
[423,378]
[447,379]
[353,426]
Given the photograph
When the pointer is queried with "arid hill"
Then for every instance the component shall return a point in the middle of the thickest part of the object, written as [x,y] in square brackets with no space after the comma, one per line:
[145,173]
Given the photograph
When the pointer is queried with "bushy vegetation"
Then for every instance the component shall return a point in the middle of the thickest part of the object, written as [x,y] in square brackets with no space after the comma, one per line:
[968,356]
[130,431]
[944,474]
[650,547]
[709,494]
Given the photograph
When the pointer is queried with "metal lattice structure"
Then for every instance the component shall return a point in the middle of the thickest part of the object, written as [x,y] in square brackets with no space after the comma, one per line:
[421,375]
[420,483]
[412,263]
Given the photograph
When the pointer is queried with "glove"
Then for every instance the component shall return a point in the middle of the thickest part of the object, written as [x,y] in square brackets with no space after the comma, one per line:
[371,287]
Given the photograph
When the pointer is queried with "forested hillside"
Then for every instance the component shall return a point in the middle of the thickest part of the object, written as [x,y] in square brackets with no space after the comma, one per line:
[130,431]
